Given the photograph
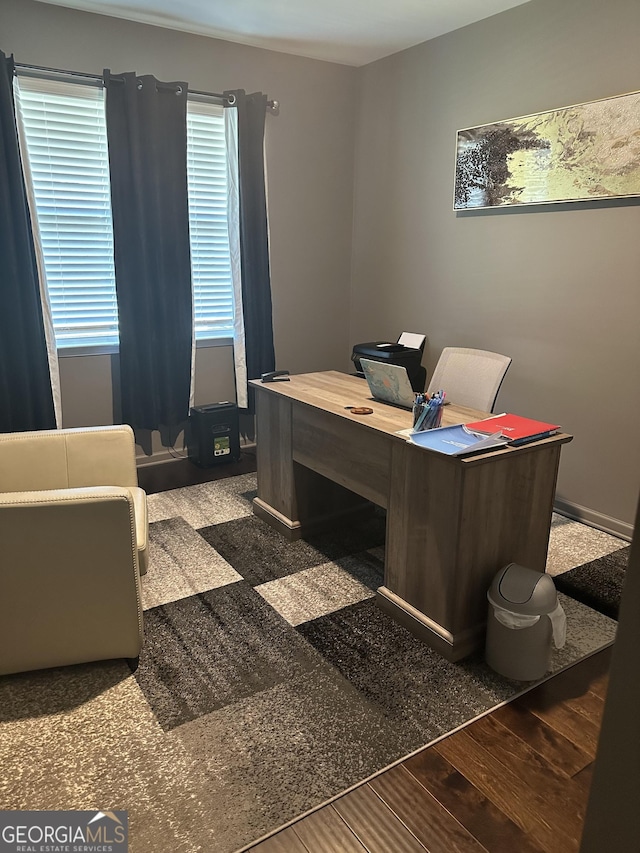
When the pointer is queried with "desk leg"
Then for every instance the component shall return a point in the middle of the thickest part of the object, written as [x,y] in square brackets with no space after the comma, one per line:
[291,497]
[451,527]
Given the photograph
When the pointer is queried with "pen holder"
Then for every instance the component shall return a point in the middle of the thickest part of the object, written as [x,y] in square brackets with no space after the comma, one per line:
[427,415]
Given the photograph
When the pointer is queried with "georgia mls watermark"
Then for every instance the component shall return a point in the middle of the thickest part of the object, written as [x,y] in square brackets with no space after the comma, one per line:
[63,832]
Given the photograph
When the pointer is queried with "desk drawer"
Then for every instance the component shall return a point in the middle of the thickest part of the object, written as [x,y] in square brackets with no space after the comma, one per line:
[344,451]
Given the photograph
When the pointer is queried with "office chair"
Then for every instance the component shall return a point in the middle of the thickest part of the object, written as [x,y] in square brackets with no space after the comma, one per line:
[470,377]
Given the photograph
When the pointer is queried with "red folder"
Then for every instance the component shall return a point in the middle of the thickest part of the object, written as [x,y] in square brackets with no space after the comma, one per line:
[515,428]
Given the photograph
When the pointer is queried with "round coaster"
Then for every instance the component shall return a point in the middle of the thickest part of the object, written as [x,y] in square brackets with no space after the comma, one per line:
[361,410]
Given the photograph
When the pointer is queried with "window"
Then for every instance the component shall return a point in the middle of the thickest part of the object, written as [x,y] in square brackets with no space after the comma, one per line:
[66,137]
[207,182]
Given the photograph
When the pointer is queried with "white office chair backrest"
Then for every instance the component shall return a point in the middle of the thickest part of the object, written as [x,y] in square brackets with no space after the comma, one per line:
[470,377]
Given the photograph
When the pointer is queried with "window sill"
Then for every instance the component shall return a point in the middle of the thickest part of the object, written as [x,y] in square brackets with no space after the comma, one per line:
[112,349]
[202,343]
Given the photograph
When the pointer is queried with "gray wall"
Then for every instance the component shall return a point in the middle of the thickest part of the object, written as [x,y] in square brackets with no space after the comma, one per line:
[309,148]
[555,287]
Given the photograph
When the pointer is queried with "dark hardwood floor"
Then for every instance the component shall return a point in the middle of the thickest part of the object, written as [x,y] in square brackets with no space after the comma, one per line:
[514,781]
[179,472]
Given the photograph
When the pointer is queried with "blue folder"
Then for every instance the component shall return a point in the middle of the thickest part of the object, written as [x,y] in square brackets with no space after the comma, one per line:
[456,440]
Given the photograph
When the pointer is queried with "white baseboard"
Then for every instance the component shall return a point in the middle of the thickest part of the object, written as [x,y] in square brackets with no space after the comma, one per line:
[595,519]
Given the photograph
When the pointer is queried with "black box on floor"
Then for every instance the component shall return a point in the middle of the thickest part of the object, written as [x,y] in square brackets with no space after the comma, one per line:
[213,434]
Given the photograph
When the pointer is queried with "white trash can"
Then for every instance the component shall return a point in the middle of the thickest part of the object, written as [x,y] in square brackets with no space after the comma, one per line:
[524,615]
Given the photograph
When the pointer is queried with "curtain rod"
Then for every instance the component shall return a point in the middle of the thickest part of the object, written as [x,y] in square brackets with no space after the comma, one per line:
[225,99]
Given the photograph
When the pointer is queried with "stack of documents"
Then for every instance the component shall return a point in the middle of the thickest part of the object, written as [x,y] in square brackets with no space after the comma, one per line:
[516,429]
[457,440]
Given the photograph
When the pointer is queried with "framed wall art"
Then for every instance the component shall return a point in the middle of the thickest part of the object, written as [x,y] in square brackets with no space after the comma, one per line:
[584,152]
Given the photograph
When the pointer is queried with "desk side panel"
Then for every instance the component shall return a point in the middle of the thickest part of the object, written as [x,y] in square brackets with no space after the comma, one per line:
[505,518]
[423,521]
[276,485]
[451,526]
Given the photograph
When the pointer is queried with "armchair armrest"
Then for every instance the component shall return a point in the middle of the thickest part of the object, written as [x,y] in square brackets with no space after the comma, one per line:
[69,583]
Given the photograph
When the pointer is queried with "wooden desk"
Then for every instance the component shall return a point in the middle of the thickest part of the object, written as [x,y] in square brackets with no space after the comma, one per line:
[452,523]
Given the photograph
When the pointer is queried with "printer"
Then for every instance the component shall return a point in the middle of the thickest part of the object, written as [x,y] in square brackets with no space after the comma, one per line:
[406,352]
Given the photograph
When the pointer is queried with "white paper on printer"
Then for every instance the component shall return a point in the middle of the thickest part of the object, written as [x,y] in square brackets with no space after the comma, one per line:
[411,340]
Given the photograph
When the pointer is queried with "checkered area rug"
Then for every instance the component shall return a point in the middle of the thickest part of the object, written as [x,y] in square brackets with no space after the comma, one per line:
[588,565]
[269,681]
[285,644]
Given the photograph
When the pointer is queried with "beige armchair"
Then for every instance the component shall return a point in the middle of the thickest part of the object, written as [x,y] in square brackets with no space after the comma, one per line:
[73,542]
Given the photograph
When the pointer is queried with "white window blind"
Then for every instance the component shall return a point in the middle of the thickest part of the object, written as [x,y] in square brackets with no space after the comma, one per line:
[65,130]
[207,183]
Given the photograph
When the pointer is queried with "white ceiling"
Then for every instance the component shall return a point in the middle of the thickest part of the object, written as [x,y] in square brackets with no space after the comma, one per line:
[351,32]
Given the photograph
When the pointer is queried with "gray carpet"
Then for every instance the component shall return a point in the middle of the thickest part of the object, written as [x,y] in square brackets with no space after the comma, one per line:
[598,583]
[269,682]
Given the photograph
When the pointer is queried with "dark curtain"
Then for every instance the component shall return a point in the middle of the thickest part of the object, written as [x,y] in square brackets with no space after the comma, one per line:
[254,243]
[147,136]
[26,398]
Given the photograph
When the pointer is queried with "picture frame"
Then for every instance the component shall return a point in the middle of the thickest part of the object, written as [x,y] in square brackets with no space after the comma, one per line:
[583,152]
